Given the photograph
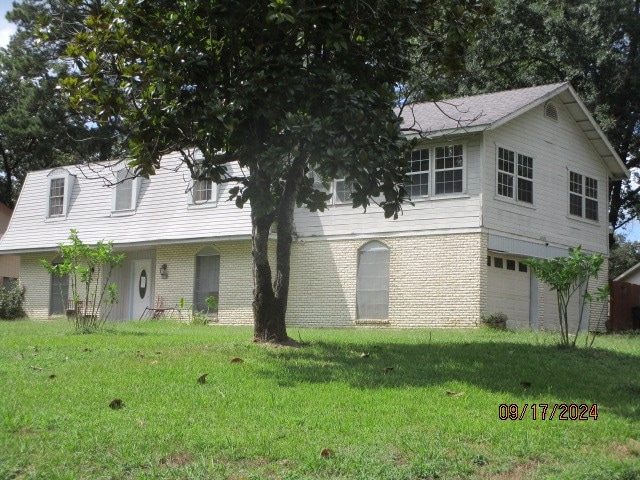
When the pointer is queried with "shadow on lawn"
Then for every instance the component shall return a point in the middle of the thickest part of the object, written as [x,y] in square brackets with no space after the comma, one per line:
[537,373]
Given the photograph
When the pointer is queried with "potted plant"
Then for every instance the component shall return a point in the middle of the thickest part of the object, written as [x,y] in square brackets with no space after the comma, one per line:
[497,320]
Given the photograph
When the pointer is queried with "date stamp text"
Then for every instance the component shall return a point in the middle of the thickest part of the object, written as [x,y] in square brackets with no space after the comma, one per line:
[548,411]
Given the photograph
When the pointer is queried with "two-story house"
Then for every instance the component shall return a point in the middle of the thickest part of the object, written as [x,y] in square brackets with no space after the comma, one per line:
[496,178]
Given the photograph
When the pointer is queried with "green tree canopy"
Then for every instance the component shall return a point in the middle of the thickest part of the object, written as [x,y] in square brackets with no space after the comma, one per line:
[37,128]
[282,87]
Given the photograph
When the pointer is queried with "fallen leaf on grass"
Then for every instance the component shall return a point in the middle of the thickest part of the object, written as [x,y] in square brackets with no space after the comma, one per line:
[525,384]
[454,394]
[388,369]
[237,360]
[364,355]
[116,404]
[34,367]
[86,349]
[202,379]
[326,453]
[140,354]
[52,376]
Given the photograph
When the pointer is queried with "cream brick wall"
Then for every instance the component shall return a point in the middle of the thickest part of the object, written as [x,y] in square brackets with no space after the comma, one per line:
[38,284]
[435,281]
[236,278]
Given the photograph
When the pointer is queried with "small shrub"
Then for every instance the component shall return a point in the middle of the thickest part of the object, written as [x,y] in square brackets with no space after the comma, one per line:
[494,318]
[11,302]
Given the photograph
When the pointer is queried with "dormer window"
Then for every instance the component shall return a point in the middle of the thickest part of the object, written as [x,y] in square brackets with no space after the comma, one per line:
[125,196]
[202,190]
[60,189]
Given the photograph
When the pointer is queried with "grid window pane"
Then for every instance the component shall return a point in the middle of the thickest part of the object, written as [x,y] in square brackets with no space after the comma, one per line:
[449,181]
[343,191]
[591,187]
[56,197]
[575,183]
[575,205]
[202,191]
[525,190]
[372,291]
[591,209]
[525,166]
[419,173]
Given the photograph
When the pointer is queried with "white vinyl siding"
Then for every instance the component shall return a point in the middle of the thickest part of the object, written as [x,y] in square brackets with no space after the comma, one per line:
[556,149]
[372,290]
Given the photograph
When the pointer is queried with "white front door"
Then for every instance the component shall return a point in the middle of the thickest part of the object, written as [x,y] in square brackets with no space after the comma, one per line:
[141,291]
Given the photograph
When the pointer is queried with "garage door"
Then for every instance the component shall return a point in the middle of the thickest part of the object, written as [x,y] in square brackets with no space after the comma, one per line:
[508,285]
[550,311]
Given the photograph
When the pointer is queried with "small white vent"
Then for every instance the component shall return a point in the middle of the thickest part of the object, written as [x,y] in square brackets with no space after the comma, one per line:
[550,111]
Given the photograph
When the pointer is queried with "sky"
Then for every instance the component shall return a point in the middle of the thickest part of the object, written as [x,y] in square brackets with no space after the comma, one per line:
[6,28]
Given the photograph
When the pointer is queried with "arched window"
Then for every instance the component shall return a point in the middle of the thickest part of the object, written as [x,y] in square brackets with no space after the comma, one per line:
[372,288]
[207,280]
[59,294]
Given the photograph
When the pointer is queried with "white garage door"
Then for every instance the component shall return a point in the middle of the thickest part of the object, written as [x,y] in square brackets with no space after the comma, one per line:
[508,289]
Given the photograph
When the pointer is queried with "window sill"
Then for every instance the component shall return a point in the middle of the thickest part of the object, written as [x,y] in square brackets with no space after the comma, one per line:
[198,206]
[595,223]
[122,213]
[58,218]
[510,201]
[371,321]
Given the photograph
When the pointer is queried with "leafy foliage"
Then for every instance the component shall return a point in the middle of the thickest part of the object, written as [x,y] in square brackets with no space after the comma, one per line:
[11,302]
[594,45]
[37,128]
[89,269]
[567,276]
[282,88]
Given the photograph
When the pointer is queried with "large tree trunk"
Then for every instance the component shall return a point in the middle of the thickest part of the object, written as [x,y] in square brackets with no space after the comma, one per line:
[270,299]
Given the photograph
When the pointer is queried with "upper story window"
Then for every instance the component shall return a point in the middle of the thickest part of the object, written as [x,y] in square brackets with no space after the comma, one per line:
[449,169]
[437,169]
[202,191]
[583,196]
[59,192]
[419,173]
[341,191]
[126,193]
[515,175]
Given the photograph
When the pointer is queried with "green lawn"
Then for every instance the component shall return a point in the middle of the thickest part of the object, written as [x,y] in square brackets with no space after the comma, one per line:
[423,404]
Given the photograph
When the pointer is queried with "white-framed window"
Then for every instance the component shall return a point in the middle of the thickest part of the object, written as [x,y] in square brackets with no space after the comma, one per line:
[583,196]
[439,169]
[207,279]
[372,281]
[59,192]
[515,176]
[449,169]
[202,191]
[125,196]
[341,191]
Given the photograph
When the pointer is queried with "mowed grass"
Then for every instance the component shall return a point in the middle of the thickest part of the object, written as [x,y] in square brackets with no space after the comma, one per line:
[418,405]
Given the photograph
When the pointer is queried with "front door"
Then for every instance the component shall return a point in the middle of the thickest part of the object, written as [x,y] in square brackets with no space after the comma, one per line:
[141,291]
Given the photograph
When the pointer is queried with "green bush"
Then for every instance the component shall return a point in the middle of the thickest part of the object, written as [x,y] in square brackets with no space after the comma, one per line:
[11,302]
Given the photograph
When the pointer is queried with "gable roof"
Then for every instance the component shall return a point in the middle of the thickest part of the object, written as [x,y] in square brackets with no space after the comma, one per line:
[623,276]
[490,110]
